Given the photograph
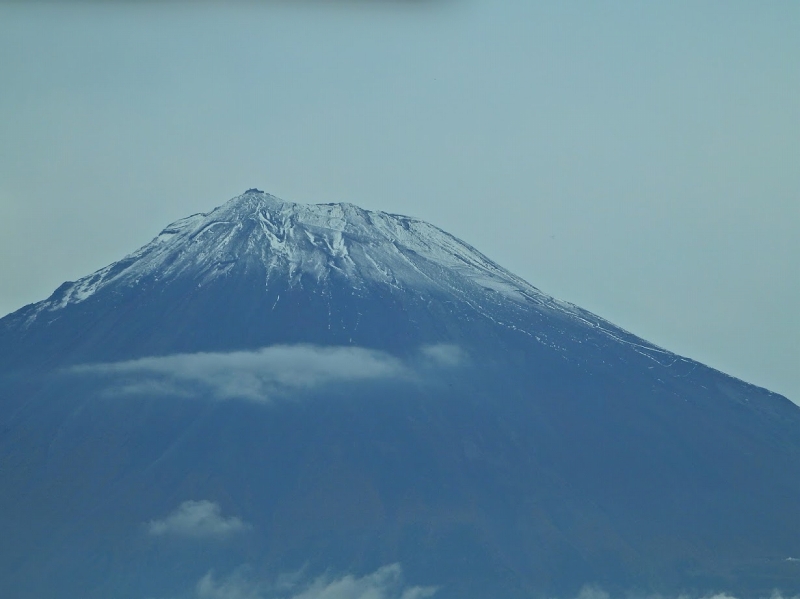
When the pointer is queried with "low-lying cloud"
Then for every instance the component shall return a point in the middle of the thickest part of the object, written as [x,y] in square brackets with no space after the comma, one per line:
[384,583]
[443,354]
[262,374]
[595,592]
[197,519]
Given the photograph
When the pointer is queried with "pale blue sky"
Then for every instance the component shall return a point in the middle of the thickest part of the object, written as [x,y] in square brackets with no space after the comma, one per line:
[639,159]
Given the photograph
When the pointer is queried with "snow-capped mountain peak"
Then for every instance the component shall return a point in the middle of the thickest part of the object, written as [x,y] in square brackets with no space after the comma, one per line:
[305,240]
[347,383]
[274,244]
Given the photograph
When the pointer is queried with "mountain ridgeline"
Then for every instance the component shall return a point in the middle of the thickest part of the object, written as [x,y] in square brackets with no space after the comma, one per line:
[329,390]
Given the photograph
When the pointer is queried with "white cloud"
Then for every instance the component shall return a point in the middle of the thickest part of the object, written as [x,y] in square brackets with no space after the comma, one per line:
[595,592]
[255,375]
[197,519]
[235,586]
[262,374]
[592,592]
[443,354]
[151,387]
[384,583]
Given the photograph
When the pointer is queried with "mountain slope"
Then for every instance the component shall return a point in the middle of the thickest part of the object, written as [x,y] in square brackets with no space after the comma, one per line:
[269,246]
[357,389]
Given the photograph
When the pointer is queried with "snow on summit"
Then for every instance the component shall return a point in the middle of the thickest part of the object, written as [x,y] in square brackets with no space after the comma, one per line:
[313,246]
[305,240]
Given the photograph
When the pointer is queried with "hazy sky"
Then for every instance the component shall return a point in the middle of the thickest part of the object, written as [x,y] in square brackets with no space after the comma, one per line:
[639,159]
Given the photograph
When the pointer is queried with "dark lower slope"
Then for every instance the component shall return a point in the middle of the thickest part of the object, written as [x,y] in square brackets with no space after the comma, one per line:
[529,468]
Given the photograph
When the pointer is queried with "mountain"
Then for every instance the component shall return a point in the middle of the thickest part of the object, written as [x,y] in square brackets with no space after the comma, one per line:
[360,398]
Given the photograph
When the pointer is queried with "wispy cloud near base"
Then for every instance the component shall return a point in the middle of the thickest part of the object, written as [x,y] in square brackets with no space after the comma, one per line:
[266,373]
[384,583]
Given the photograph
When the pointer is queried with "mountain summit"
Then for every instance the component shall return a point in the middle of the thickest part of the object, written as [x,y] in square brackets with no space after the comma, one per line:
[301,243]
[361,398]
[265,256]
